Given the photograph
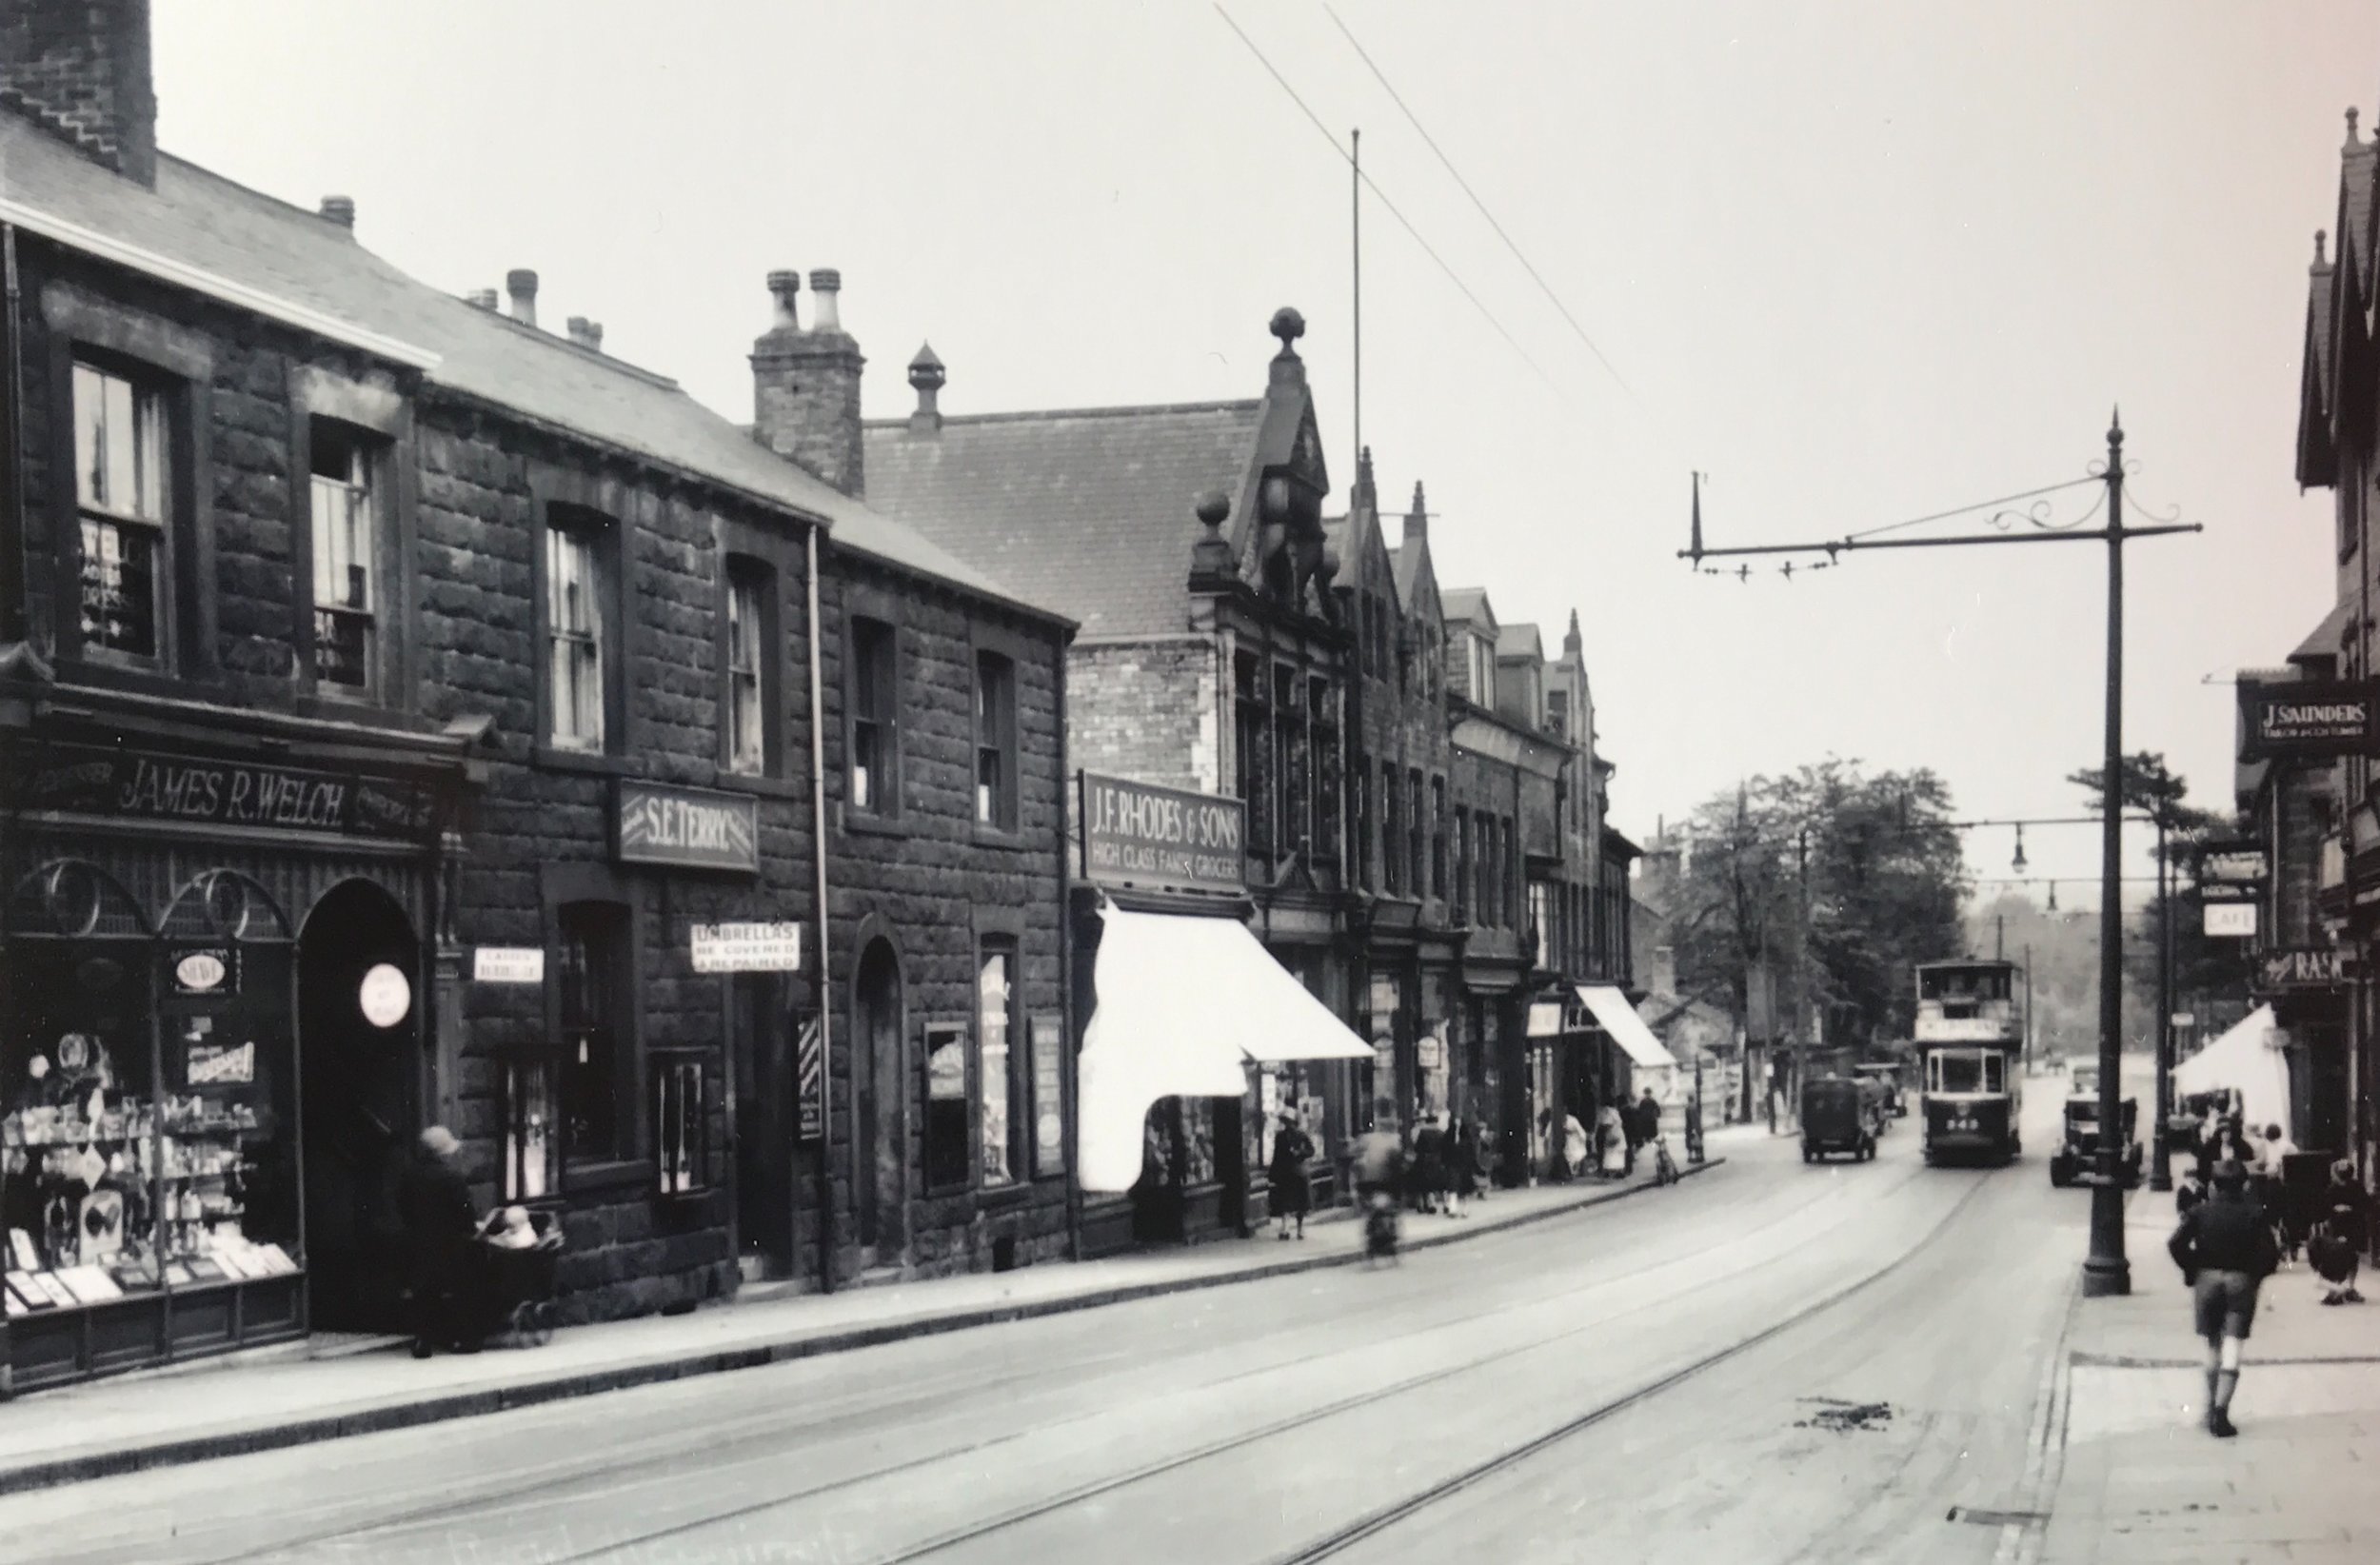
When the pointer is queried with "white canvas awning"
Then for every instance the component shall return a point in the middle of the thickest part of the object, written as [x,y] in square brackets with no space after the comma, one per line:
[1183,1005]
[2250,1058]
[1616,1016]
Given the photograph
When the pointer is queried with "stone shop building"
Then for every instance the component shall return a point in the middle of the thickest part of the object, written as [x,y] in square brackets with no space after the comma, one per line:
[407,718]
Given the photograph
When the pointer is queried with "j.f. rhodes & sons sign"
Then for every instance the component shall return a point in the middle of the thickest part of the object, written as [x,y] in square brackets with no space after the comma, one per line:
[134,784]
[1159,839]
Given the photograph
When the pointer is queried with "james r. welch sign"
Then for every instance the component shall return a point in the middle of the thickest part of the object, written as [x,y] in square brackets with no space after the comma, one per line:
[1159,839]
[2309,718]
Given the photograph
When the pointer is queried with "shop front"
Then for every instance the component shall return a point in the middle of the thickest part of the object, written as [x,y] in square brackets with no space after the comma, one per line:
[1632,1061]
[211,1047]
[1186,1017]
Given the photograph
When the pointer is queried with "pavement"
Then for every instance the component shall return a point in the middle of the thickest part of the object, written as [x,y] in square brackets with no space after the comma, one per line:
[2141,1481]
[272,1401]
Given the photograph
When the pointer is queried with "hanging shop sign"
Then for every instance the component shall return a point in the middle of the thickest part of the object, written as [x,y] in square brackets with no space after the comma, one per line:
[1136,834]
[684,828]
[2231,920]
[2316,719]
[205,970]
[747,947]
[2231,866]
[809,1069]
[141,785]
[508,965]
[386,996]
[2228,891]
[1545,1018]
[2303,967]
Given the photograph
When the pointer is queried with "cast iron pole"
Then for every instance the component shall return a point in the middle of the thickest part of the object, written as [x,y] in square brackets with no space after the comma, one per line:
[2105,1270]
[2160,1151]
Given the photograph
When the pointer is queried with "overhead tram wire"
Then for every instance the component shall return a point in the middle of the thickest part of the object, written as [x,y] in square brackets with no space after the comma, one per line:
[1406,223]
[1415,120]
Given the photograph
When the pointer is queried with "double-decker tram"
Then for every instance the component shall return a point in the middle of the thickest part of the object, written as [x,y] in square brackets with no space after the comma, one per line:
[1973,1042]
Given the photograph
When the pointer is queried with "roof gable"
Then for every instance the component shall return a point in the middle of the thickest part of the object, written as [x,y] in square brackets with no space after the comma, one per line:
[1468,606]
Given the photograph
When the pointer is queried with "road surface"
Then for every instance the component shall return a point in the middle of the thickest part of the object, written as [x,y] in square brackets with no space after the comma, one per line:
[1772,1362]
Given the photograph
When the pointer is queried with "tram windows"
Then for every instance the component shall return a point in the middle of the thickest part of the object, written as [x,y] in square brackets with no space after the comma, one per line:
[1994,1073]
[1958,1073]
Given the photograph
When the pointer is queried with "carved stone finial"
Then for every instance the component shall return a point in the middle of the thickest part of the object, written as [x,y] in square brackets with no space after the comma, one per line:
[1213,507]
[2321,240]
[1211,555]
[2353,116]
[1288,325]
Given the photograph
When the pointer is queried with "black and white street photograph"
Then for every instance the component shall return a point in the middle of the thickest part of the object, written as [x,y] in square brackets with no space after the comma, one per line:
[1192,781]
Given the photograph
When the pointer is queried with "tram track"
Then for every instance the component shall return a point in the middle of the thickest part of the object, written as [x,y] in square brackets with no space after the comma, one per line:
[755,1433]
[1371,1523]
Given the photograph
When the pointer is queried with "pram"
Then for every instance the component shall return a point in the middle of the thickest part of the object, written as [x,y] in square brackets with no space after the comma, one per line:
[516,1286]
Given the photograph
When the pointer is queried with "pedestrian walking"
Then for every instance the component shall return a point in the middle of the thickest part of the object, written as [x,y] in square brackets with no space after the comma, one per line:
[2342,1228]
[1426,1176]
[1462,1165]
[1648,1116]
[1573,1145]
[1291,1191]
[1612,1143]
[2225,1250]
[2274,1151]
[434,1205]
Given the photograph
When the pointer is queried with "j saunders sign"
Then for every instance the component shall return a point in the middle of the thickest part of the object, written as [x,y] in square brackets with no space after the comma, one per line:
[1160,839]
[2309,718]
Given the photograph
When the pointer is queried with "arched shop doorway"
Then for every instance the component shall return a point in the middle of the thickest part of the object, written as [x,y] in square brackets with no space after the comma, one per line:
[877,1036]
[360,1064]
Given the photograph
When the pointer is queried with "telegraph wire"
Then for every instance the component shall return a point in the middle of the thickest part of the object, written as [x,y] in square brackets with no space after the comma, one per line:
[1431,142]
[1979,505]
[1371,184]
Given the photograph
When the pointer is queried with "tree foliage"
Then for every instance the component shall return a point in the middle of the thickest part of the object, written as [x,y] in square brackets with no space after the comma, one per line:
[1866,869]
[2202,965]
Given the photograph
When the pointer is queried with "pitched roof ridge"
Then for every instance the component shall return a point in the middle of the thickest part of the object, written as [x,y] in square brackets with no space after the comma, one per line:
[1237,404]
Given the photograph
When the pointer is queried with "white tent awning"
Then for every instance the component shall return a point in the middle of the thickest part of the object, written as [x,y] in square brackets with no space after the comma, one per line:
[2248,1057]
[1616,1016]
[1184,1004]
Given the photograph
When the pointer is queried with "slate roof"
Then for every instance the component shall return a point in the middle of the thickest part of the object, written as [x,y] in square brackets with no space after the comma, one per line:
[1461,603]
[200,220]
[1088,510]
[1519,640]
[2322,642]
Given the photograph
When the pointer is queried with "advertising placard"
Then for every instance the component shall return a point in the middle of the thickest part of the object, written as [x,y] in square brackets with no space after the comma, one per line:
[745,948]
[1138,834]
[508,964]
[1049,1095]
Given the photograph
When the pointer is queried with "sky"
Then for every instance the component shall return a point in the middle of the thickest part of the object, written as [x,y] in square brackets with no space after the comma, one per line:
[1855,263]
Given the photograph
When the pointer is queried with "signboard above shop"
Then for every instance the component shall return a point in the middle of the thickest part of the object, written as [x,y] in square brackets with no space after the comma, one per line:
[2303,967]
[684,828]
[2231,920]
[140,786]
[2308,719]
[2233,865]
[1153,839]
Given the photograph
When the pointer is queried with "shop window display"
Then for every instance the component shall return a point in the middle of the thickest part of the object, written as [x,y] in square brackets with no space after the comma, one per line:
[148,1140]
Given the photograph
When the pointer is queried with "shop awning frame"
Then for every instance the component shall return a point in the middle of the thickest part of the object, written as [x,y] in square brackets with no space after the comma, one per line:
[1617,1018]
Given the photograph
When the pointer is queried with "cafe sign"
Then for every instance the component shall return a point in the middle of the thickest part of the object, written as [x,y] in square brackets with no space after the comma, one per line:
[2318,719]
[2314,968]
[142,785]
[1136,834]
[684,828]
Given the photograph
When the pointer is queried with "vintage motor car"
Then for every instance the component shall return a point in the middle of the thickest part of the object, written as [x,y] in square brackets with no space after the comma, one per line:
[1835,1117]
[2076,1160]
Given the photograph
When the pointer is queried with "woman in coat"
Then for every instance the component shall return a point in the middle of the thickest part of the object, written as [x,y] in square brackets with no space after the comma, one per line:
[1292,1150]
[1428,1174]
[1612,1136]
[1462,1166]
[1574,1150]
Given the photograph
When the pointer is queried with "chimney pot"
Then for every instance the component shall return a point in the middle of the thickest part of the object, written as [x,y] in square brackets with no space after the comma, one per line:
[927,377]
[595,335]
[784,286]
[481,298]
[587,334]
[339,210]
[522,284]
[827,284]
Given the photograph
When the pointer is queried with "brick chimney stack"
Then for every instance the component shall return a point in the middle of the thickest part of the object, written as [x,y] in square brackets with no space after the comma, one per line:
[805,385]
[587,334]
[81,72]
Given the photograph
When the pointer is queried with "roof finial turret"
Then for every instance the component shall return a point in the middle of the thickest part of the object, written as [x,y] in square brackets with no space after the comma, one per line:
[2353,116]
[2322,262]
